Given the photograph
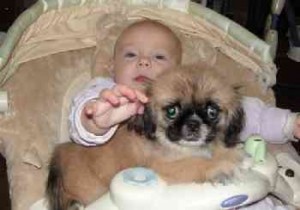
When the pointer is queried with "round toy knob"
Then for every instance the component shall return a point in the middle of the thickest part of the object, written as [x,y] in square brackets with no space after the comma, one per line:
[136,188]
[139,176]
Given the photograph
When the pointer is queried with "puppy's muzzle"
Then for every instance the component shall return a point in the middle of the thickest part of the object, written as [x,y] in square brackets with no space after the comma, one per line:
[193,125]
[191,130]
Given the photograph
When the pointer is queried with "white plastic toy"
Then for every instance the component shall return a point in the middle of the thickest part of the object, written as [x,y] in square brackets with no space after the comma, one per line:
[141,188]
[288,181]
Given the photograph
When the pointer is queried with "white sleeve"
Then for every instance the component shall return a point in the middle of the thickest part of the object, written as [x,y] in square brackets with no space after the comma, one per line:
[77,132]
[272,123]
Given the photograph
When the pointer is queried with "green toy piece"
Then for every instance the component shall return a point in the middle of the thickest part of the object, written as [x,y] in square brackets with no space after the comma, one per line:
[256,147]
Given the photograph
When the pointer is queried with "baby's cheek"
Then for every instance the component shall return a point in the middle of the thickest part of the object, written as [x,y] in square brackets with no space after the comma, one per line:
[162,69]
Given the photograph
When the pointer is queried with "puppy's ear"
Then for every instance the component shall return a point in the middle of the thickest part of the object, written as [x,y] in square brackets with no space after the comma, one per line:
[235,126]
[144,124]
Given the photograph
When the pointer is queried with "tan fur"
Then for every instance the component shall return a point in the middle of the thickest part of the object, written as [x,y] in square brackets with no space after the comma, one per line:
[87,172]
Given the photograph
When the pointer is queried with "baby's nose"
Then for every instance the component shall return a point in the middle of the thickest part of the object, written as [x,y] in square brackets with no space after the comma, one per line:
[144,63]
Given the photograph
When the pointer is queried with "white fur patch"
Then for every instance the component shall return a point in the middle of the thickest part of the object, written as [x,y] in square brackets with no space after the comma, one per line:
[187,149]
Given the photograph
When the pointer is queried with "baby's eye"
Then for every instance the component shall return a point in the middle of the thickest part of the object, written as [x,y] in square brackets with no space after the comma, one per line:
[130,55]
[160,57]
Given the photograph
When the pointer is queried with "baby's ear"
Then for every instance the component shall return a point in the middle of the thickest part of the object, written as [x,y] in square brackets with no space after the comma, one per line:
[110,67]
[144,124]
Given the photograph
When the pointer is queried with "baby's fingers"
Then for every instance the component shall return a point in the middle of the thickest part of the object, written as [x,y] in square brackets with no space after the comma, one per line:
[126,92]
[296,131]
[111,96]
[114,95]
[141,96]
[88,109]
[131,94]
[96,108]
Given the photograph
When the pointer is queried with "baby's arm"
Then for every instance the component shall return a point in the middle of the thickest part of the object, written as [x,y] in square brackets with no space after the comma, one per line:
[78,132]
[274,124]
[98,109]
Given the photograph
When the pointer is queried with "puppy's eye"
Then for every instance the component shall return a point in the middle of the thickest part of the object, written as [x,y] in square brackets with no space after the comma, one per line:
[172,112]
[212,112]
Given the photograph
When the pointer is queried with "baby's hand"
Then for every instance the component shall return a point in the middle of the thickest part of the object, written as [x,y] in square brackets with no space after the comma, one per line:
[297,128]
[113,107]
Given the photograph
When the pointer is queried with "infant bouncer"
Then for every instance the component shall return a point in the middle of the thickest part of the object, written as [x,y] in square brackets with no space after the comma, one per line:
[56,47]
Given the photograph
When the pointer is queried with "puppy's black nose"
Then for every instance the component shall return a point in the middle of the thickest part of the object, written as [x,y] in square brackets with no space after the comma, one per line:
[193,125]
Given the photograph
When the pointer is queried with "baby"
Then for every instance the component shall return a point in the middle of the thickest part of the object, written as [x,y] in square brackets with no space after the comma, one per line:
[144,50]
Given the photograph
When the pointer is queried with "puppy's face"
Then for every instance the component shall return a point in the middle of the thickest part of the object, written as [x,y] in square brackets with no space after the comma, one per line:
[192,108]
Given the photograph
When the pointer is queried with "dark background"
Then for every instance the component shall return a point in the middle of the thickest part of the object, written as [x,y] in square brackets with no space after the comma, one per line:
[249,13]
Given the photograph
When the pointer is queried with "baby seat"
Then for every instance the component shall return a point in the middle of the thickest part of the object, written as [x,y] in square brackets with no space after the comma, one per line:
[53,48]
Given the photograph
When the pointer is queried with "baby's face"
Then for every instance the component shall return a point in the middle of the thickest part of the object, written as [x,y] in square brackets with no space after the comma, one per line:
[143,52]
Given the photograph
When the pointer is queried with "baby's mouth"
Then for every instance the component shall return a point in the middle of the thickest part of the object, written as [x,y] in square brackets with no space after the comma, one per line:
[143,80]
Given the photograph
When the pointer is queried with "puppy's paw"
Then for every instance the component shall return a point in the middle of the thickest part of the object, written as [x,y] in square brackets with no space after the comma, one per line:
[222,178]
[246,161]
[234,176]
[243,166]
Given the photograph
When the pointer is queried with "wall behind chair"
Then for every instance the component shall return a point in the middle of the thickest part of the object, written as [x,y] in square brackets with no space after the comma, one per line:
[10,9]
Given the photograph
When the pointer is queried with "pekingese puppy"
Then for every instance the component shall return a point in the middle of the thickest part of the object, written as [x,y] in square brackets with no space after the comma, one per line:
[188,133]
